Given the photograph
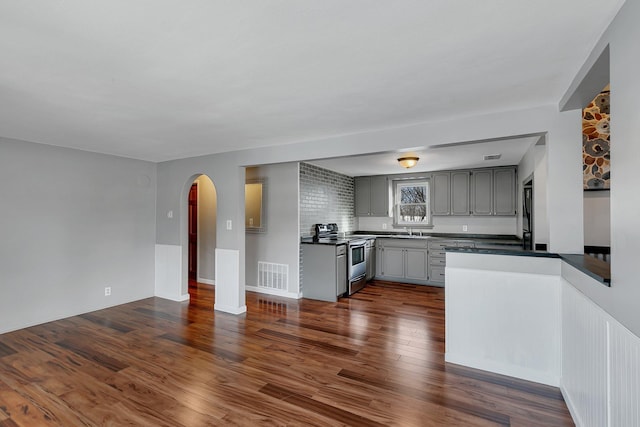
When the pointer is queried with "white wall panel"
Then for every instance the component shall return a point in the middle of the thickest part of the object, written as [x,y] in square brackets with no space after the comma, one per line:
[584,358]
[600,364]
[625,376]
[168,271]
[504,322]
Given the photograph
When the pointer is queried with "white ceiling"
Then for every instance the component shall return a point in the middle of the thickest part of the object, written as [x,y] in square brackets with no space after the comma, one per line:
[161,79]
[453,156]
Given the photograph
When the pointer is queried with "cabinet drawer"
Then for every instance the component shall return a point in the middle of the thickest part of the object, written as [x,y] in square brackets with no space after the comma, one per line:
[341,250]
[465,244]
[441,244]
[437,274]
[437,253]
[437,261]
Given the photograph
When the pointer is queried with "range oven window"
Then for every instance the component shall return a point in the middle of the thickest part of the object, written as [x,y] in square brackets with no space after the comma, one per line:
[357,255]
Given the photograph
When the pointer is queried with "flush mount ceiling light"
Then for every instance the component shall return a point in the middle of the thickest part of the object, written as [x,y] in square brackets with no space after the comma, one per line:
[408,161]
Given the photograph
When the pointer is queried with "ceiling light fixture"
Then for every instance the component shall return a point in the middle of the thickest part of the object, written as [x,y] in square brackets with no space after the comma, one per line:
[408,161]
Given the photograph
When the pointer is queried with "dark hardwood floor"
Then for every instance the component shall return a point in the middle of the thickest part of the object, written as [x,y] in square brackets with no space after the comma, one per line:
[374,359]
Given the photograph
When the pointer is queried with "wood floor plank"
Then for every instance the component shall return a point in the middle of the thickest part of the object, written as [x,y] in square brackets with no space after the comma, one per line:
[374,359]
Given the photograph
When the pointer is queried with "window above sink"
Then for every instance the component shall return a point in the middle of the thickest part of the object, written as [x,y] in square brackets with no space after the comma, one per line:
[412,203]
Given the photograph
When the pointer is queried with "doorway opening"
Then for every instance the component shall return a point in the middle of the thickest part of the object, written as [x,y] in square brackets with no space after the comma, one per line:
[527,214]
[200,227]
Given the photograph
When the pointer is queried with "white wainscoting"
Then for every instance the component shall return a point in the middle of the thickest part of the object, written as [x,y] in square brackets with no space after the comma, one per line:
[168,280]
[504,322]
[229,297]
[506,314]
[600,364]
[275,292]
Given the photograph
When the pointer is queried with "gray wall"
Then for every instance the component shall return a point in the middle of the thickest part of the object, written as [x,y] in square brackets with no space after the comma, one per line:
[597,218]
[621,300]
[280,243]
[325,197]
[72,223]
[206,228]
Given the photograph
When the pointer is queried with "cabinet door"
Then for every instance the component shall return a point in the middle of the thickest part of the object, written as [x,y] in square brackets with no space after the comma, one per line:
[371,263]
[341,274]
[379,196]
[440,193]
[393,262]
[379,257]
[363,195]
[460,193]
[504,191]
[481,192]
[416,264]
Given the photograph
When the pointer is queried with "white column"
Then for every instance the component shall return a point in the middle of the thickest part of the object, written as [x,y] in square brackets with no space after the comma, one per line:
[228,296]
[564,184]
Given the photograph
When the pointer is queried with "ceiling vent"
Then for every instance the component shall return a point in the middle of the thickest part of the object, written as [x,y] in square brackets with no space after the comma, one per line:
[492,156]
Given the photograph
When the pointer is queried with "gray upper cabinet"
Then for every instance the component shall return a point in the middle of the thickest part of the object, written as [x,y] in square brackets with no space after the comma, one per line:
[481,192]
[372,196]
[493,191]
[504,191]
[440,193]
[363,195]
[460,193]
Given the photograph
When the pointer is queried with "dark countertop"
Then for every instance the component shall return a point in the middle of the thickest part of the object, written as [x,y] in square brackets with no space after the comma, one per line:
[593,267]
[332,242]
[486,244]
[483,239]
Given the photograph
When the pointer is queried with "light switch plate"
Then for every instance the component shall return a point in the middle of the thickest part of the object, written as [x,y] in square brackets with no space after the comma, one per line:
[229,224]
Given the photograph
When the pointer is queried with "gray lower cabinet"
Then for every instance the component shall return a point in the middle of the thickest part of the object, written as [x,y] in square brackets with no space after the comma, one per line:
[415,264]
[392,260]
[419,261]
[403,260]
[324,271]
[341,270]
[437,260]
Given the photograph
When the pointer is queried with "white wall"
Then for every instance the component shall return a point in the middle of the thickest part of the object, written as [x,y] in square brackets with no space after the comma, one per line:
[72,223]
[621,300]
[281,242]
[535,162]
[448,224]
[207,216]
[597,218]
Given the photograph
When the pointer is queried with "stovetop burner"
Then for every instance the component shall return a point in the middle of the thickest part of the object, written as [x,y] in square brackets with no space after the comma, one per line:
[326,231]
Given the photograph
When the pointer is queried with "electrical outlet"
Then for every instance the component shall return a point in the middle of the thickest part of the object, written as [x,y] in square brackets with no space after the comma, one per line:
[384,225]
[107,291]
[465,228]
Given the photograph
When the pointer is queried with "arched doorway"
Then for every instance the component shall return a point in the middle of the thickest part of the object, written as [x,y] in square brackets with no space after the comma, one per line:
[200,235]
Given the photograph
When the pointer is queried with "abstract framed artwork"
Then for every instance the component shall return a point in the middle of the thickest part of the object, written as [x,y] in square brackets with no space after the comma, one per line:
[596,143]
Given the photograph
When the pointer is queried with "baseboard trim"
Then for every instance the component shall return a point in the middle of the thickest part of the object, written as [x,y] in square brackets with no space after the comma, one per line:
[570,406]
[206,281]
[230,310]
[178,298]
[503,369]
[274,292]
